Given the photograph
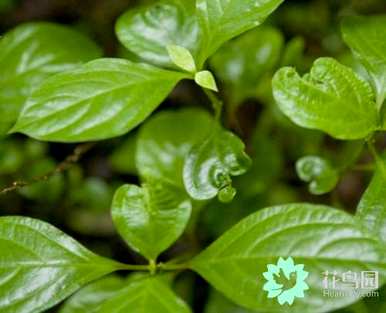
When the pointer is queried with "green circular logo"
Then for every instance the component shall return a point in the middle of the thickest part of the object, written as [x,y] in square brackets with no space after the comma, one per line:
[285,281]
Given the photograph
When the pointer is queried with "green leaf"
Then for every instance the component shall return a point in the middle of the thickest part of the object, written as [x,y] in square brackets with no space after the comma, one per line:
[151,218]
[372,207]
[29,54]
[320,237]
[11,157]
[366,37]
[123,157]
[218,303]
[166,139]
[331,98]
[102,99]
[148,30]
[146,294]
[182,58]
[293,52]
[210,165]
[206,80]
[40,265]
[221,20]
[90,298]
[243,62]
[318,172]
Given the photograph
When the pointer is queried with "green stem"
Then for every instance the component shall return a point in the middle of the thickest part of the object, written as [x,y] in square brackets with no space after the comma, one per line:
[378,159]
[173,266]
[373,151]
[364,167]
[152,267]
[216,103]
[131,267]
[379,101]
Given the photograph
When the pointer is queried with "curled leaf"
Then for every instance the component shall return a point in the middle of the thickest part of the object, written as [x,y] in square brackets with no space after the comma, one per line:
[210,165]
[166,139]
[318,172]
[331,98]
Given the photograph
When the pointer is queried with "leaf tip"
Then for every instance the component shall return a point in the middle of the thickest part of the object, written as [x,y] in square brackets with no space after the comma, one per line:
[206,80]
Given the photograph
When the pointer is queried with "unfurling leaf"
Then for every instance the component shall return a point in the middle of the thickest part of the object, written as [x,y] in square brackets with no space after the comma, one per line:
[331,98]
[321,238]
[40,265]
[318,172]
[29,54]
[102,99]
[223,20]
[206,80]
[148,30]
[366,37]
[145,294]
[165,141]
[151,218]
[210,165]
[182,58]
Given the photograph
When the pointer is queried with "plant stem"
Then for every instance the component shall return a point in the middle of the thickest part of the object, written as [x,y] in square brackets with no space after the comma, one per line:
[131,267]
[173,267]
[364,167]
[60,168]
[380,164]
[152,267]
[216,103]
[373,150]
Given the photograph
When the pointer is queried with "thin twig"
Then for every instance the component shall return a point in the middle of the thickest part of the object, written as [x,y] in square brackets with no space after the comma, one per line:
[79,151]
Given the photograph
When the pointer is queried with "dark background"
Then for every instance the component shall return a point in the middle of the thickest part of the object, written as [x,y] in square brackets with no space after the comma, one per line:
[77,201]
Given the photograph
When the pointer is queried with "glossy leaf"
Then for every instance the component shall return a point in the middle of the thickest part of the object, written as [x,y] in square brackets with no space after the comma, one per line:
[218,303]
[29,54]
[210,165]
[182,58]
[40,265]
[103,99]
[366,37]
[166,139]
[372,207]
[90,298]
[320,237]
[331,98]
[206,80]
[145,294]
[151,218]
[148,30]
[318,172]
[221,20]
[243,62]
